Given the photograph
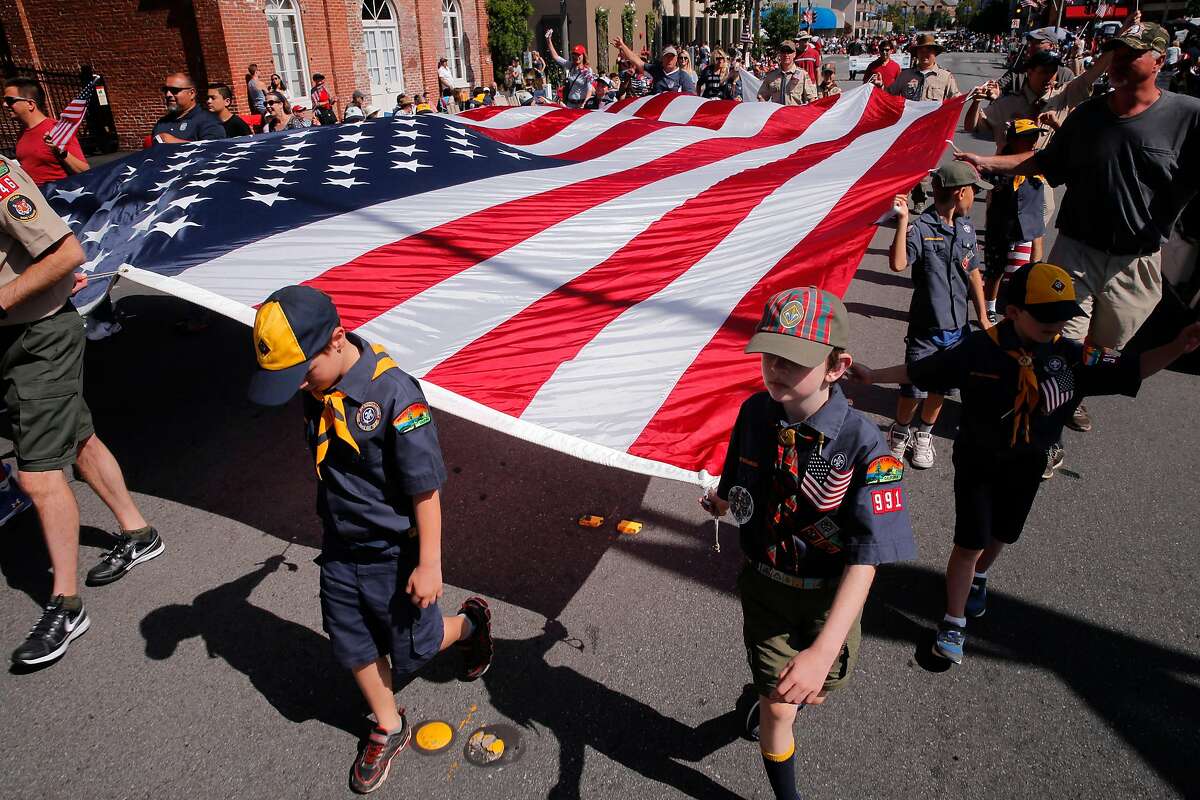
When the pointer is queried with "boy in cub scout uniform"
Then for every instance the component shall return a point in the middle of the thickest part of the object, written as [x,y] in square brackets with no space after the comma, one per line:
[820,504]
[1021,381]
[379,467]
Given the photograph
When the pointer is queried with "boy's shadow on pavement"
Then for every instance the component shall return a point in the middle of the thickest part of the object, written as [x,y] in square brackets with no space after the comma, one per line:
[1141,689]
[290,665]
[582,713]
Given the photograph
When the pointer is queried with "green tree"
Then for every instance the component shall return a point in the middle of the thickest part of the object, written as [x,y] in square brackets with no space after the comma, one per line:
[735,7]
[651,28]
[602,39]
[966,11]
[779,24]
[628,21]
[508,29]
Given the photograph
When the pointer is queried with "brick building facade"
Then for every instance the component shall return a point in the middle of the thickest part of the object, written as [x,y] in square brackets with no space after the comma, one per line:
[381,47]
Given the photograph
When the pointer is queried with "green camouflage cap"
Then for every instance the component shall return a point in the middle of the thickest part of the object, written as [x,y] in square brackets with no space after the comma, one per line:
[953,174]
[1142,36]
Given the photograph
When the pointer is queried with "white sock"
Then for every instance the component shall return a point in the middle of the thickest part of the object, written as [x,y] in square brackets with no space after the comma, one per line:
[468,627]
[981,574]
[959,621]
[991,306]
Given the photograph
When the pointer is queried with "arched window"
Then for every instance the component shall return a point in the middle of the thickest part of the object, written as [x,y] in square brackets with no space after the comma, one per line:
[381,45]
[287,45]
[452,36]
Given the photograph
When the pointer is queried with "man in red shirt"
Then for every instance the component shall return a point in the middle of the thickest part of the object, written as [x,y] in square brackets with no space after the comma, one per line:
[808,58]
[43,161]
[883,66]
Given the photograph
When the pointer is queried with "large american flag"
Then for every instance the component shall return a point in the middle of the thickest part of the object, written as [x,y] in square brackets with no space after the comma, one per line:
[71,117]
[585,280]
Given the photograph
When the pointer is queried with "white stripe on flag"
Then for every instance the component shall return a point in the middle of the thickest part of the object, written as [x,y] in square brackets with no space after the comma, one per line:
[625,373]
[437,323]
[681,108]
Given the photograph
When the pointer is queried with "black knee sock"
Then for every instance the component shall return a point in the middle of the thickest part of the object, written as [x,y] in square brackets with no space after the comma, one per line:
[781,772]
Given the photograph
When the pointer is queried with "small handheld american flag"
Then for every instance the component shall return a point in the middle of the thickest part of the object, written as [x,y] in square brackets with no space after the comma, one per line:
[72,116]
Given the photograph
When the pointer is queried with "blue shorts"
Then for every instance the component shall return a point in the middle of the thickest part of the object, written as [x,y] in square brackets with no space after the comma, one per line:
[921,345]
[367,613]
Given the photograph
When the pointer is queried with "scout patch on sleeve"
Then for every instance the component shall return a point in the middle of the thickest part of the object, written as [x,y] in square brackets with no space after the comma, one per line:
[7,185]
[21,208]
[412,418]
[887,501]
[1094,356]
[885,469]
[3,168]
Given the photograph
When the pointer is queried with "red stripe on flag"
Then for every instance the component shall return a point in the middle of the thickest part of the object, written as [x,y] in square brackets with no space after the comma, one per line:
[483,112]
[501,371]
[713,114]
[691,427]
[536,130]
[385,277]
[656,105]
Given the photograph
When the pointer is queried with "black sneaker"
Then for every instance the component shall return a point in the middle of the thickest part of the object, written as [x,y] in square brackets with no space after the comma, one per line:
[374,760]
[126,554]
[56,629]
[478,648]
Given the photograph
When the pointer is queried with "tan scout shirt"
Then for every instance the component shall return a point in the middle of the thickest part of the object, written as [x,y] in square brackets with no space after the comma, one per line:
[798,90]
[1024,105]
[28,228]
[931,84]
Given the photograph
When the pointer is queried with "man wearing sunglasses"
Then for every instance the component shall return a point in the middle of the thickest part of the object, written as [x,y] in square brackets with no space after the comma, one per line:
[43,161]
[185,120]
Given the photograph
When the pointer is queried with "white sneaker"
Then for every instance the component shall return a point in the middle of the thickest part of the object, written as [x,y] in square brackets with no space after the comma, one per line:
[898,438]
[923,453]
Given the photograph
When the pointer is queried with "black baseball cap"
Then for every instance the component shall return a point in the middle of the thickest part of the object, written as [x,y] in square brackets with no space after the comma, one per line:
[291,327]
[1045,291]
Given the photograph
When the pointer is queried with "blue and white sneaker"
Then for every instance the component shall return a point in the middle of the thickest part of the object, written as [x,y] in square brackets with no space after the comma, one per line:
[977,599]
[949,642]
[13,499]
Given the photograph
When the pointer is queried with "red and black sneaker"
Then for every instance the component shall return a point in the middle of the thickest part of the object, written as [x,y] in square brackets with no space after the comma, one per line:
[374,760]
[478,648]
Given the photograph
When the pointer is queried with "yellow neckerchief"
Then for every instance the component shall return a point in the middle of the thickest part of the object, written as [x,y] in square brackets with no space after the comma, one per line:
[333,415]
[1026,400]
[1019,179]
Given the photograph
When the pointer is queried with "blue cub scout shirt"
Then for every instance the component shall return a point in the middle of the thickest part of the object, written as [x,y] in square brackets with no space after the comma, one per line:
[850,507]
[989,376]
[364,499]
[942,258]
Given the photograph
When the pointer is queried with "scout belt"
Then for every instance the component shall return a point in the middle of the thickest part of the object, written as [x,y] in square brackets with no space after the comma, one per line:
[790,580]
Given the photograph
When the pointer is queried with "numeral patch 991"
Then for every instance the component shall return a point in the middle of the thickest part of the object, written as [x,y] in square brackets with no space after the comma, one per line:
[885,501]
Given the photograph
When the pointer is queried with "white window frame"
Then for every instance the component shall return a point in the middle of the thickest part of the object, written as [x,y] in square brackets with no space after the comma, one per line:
[367,5]
[451,10]
[283,9]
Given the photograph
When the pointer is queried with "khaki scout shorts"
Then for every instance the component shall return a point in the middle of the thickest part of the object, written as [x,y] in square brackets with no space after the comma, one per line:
[1118,293]
[779,621]
[41,371]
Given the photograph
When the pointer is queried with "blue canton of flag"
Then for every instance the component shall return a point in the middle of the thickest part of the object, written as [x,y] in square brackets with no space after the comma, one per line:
[173,206]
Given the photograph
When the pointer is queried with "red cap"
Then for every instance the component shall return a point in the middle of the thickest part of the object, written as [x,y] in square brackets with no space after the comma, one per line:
[579,50]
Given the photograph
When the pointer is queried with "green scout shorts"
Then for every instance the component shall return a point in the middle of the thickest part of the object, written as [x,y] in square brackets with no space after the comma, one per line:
[41,371]
[779,621]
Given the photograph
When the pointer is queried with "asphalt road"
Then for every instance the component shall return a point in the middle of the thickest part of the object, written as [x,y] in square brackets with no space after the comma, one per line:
[206,675]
